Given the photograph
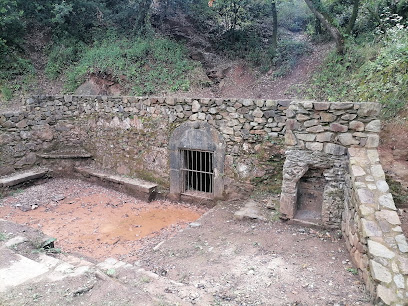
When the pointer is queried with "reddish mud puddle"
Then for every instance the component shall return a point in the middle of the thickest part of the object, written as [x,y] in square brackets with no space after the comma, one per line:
[101,226]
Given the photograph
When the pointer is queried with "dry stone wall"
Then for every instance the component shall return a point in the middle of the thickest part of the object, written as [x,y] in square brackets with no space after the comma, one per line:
[372,229]
[332,127]
[317,136]
[129,135]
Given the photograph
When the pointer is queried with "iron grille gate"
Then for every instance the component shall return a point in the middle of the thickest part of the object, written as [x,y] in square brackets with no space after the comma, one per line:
[197,171]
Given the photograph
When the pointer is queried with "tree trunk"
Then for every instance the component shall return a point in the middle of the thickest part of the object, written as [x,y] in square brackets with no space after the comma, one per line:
[275,26]
[334,32]
[353,18]
[318,26]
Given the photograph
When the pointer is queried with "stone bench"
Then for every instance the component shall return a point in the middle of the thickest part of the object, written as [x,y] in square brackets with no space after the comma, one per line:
[65,155]
[136,187]
[23,177]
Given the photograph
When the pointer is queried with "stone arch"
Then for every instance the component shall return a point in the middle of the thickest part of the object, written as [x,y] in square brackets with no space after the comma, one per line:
[300,164]
[198,136]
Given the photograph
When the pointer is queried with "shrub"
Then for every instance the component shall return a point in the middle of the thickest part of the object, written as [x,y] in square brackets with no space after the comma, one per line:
[370,71]
[143,64]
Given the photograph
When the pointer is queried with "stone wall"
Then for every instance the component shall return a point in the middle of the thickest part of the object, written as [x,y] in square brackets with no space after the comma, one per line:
[130,135]
[372,229]
[317,136]
[331,127]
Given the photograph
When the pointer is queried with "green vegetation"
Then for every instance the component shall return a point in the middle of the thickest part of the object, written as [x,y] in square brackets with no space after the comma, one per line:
[126,42]
[371,70]
[399,193]
[146,64]
[3,236]
[375,64]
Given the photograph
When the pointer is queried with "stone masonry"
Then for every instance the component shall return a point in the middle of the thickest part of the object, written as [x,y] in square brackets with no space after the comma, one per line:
[130,135]
[372,229]
[317,136]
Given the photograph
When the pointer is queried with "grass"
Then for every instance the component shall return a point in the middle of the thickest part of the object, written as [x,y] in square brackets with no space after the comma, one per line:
[374,68]
[143,65]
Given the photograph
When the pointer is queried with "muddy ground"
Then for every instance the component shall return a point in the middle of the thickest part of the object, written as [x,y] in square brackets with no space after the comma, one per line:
[218,259]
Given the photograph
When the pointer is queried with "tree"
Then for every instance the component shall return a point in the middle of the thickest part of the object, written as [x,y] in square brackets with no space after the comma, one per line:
[275,25]
[325,21]
[353,18]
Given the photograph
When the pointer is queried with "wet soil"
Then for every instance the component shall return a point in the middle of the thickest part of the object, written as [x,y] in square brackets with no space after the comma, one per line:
[94,221]
[235,262]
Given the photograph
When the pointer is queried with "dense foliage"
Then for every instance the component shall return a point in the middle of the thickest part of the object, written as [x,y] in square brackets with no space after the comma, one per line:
[121,39]
[375,66]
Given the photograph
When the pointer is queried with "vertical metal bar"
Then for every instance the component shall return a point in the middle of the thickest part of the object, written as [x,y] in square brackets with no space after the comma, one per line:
[205,169]
[199,173]
[188,171]
[212,172]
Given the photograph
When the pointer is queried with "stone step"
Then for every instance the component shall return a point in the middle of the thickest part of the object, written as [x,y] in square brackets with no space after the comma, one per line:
[22,177]
[137,187]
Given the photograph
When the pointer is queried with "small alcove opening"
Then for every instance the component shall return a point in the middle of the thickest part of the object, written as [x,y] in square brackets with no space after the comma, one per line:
[197,172]
[310,196]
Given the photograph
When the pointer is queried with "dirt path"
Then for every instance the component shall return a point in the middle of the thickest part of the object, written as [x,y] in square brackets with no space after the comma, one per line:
[238,80]
[229,261]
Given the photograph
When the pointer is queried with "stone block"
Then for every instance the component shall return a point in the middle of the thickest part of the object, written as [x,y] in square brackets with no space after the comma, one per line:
[306,137]
[347,139]
[320,106]
[257,113]
[315,129]
[386,295]
[377,171]
[380,273]
[373,141]
[171,101]
[387,201]
[327,117]
[324,137]
[356,126]
[366,210]
[402,243]
[382,186]
[269,114]
[373,126]
[292,124]
[247,102]
[302,117]
[341,105]
[271,104]
[365,196]
[348,117]
[379,250]
[334,149]
[399,281]
[403,265]
[310,123]
[287,204]
[370,228]
[308,104]
[369,110]
[390,216]
[337,127]
[314,146]
[373,156]
[290,139]
[357,171]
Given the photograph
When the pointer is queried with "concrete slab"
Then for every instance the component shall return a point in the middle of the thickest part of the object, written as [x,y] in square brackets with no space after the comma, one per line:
[21,177]
[18,270]
[134,186]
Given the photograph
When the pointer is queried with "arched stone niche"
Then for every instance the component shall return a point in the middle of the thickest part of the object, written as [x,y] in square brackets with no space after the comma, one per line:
[196,137]
[329,171]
